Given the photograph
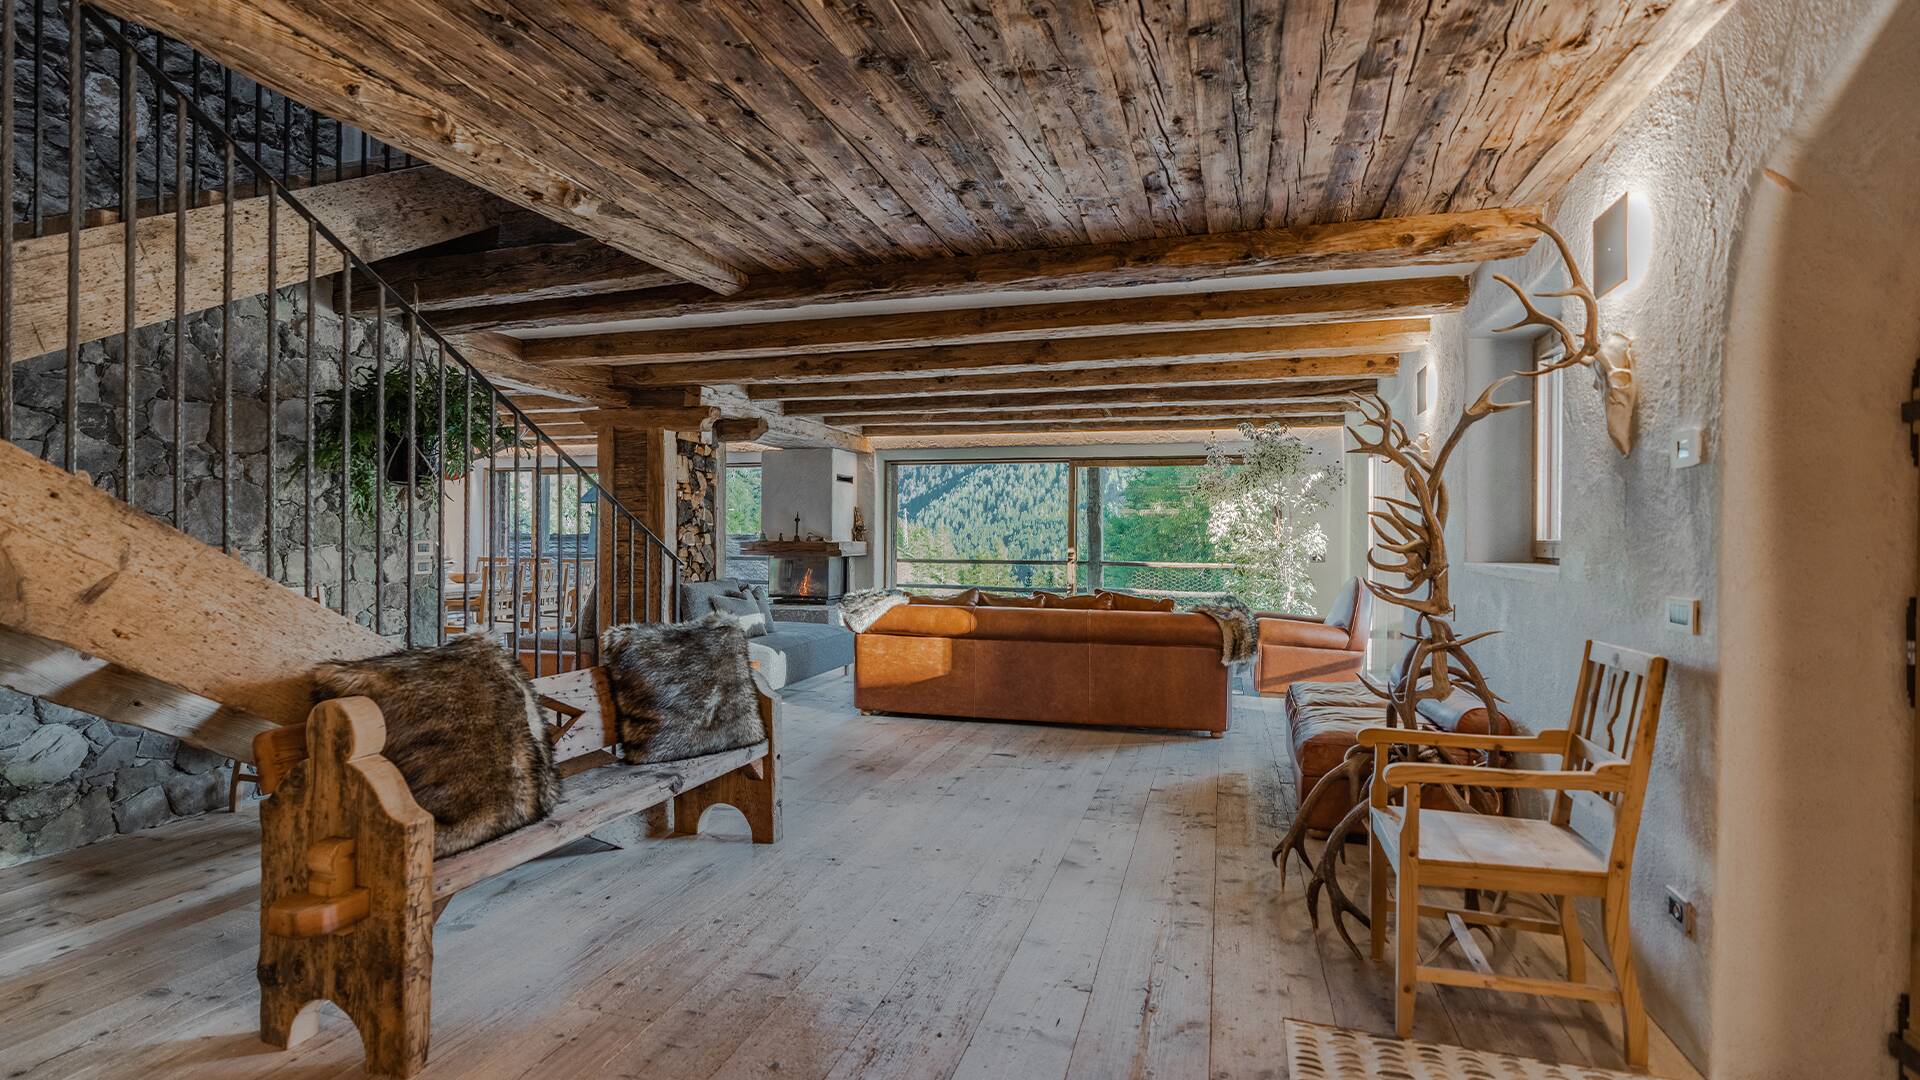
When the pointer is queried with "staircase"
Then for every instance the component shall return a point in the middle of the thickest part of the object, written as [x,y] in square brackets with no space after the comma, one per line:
[221,462]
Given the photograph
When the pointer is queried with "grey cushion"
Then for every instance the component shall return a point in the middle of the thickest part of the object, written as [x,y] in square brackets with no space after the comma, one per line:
[760,597]
[742,611]
[695,595]
[1340,609]
[796,651]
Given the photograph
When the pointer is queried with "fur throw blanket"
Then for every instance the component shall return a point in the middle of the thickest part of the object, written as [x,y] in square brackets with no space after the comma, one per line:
[681,690]
[862,609]
[1239,633]
[464,729]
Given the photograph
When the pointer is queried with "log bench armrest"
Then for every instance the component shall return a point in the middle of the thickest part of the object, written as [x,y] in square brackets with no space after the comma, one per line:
[349,886]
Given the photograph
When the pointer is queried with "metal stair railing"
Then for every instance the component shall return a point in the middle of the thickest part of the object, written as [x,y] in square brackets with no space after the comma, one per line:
[349,494]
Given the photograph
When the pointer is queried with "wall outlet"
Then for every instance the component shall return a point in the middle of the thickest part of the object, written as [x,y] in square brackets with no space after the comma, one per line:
[1680,910]
[1688,447]
[1684,612]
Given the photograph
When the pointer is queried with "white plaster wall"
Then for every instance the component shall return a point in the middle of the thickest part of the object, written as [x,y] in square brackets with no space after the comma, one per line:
[1819,546]
[1783,980]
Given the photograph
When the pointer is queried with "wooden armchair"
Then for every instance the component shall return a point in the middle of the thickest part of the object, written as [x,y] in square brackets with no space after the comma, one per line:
[1606,751]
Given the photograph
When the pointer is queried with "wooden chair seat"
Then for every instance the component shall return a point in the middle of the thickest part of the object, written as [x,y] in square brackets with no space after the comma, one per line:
[1482,850]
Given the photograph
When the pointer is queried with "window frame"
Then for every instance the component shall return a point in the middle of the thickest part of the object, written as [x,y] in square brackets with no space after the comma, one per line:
[1549,452]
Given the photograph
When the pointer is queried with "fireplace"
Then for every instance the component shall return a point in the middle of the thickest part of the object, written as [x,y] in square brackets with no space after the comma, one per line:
[806,579]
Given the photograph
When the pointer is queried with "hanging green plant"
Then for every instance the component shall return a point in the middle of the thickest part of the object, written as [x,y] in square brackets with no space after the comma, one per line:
[472,428]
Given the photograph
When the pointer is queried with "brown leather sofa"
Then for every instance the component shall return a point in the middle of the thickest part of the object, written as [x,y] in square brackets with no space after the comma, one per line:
[1147,669]
[1297,648]
[1324,722]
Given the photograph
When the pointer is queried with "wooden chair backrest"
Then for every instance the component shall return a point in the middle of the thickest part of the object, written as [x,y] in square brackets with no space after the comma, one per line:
[1616,714]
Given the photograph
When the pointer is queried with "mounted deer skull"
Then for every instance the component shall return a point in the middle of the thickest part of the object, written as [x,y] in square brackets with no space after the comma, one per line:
[1610,357]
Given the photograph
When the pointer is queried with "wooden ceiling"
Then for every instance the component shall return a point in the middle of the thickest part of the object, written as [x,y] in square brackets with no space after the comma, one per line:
[751,164]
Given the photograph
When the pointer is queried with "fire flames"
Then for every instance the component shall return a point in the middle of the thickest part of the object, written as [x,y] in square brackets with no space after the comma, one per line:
[805,588]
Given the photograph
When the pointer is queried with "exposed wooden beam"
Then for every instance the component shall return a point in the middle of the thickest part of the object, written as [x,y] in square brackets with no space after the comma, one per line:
[1341,302]
[377,216]
[1031,427]
[389,70]
[1330,340]
[503,275]
[1306,372]
[687,418]
[84,571]
[1425,240]
[1246,393]
[1216,410]
[498,358]
[782,431]
[741,429]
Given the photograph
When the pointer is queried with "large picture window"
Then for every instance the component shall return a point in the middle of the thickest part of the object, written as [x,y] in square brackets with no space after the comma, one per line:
[1075,525]
[556,503]
[743,522]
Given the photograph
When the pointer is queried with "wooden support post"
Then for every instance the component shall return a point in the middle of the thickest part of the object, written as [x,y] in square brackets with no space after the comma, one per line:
[636,465]
[753,789]
[346,894]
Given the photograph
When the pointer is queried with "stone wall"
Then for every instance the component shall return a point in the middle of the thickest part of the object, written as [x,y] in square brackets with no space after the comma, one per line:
[68,779]
[102,169]
[696,491]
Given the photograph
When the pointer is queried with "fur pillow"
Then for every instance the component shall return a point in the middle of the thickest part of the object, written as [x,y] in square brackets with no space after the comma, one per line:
[464,728]
[681,690]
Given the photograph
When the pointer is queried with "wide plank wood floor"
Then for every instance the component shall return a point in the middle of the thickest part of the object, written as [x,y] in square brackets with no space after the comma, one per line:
[951,899]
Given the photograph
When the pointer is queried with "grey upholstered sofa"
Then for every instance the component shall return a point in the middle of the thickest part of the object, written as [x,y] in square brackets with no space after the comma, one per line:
[790,651]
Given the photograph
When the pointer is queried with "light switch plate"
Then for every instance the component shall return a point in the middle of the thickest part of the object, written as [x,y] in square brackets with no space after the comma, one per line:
[1684,612]
[1688,447]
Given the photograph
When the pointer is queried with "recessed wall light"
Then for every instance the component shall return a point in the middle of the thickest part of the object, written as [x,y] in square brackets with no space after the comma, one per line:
[1622,244]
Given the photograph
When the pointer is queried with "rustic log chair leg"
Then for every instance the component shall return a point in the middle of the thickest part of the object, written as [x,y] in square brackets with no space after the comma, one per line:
[346,899]
[1576,945]
[752,790]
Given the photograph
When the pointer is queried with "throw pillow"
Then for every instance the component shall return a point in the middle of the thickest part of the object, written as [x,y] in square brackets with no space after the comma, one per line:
[988,599]
[464,729]
[765,602]
[1129,602]
[1076,602]
[681,690]
[743,611]
[969,598]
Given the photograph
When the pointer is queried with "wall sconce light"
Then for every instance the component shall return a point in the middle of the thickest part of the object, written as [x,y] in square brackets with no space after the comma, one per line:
[1622,244]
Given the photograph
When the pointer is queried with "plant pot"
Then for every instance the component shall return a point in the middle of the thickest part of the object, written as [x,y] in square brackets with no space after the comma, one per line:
[399,450]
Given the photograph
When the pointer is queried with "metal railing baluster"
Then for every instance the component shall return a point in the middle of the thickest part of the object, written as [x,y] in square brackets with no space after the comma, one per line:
[226,353]
[129,222]
[76,214]
[7,47]
[180,189]
[380,460]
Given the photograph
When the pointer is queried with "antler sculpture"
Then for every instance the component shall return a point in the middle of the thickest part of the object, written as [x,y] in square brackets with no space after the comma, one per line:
[1410,542]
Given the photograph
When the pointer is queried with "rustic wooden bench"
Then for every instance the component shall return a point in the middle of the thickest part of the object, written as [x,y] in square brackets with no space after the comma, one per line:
[349,887]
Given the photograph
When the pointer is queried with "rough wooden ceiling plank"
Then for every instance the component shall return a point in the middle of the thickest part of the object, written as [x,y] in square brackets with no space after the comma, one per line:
[345,59]
[1427,240]
[1083,413]
[1319,370]
[1240,392]
[1243,310]
[1222,424]
[1326,339]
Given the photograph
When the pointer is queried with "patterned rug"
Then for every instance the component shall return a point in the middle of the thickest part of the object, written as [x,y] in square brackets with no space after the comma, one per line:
[1316,1052]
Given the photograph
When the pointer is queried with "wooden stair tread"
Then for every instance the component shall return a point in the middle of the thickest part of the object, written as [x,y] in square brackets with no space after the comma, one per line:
[1452,838]
[592,799]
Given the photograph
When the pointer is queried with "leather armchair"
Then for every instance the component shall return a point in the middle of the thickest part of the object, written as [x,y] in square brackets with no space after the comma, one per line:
[1295,648]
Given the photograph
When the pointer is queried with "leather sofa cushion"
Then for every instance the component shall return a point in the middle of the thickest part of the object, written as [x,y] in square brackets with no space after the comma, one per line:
[1128,602]
[1051,624]
[988,599]
[1075,602]
[1302,634]
[960,599]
